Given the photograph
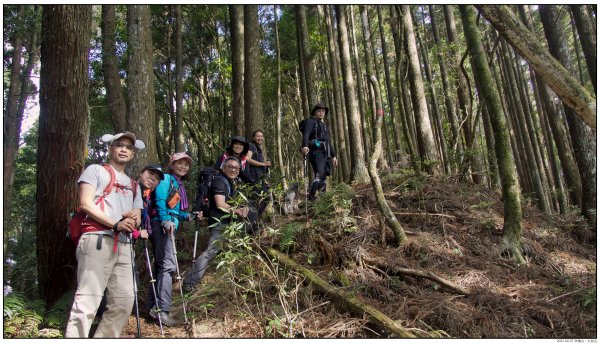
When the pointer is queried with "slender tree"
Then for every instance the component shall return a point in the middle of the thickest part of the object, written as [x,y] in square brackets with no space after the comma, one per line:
[510,186]
[110,67]
[587,37]
[425,141]
[254,117]
[359,168]
[307,56]
[552,72]
[584,142]
[236,15]
[140,86]
[179,140]
[63,135]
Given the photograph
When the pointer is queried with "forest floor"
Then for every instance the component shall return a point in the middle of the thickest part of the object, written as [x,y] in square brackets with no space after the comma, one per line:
[454,230]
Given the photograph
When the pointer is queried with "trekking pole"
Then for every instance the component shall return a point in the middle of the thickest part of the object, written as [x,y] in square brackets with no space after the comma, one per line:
[271,195]
[135,289]
[153,283]
[187,323]
[306,188]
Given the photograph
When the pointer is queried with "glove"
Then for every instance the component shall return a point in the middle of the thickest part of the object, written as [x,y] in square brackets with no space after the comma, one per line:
[168,226]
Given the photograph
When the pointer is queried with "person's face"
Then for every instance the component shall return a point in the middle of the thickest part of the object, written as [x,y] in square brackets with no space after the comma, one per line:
[149,179]
[180,167]
[259,138]
[320,113]
[231,169]
[237,147]
[122,150]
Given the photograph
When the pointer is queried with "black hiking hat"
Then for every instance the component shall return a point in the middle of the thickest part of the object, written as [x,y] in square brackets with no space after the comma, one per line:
[157,168]
[241,140]
[317,106]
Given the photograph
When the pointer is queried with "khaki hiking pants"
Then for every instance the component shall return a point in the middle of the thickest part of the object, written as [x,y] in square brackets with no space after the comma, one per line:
[98,270]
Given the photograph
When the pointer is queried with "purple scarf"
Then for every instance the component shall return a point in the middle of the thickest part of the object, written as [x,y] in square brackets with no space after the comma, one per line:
[182,193]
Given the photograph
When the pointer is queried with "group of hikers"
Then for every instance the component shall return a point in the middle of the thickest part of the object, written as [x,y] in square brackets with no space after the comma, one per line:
[119,210]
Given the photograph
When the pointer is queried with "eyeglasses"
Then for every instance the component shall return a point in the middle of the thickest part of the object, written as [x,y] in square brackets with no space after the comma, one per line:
[232,167]
[121,145]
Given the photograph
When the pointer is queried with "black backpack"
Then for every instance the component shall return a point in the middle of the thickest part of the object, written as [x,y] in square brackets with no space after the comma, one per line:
[302,124]
[207,175]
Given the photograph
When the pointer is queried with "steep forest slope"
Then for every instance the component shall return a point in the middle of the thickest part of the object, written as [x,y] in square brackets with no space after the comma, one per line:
[454,231]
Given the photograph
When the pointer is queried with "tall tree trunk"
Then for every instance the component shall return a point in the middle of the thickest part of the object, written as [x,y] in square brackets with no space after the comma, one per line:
[278,113]
[533,168]
[384,207]
[561,136]
[12,120]
[584,142]
[455,139]
[179,140]
[437,121]
[587,37]
[337,94]
[254,115]
[364,16]
[63,136]
[359,168]
[404,103]
[236,14]
[510,185]
[389,90]
[140,85]
[307,56]
[425,140]
[365,121]
[110,67]
[552,72]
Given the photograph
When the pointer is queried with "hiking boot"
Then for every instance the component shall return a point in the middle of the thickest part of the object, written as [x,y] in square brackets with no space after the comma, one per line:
[153,313]
[166,320]
[188,288]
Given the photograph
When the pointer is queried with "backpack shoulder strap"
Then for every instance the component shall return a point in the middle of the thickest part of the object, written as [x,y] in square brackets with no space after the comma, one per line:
[134,187]
[111,183]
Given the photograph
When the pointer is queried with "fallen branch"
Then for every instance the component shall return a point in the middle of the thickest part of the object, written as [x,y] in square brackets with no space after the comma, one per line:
[416,273]
[423,214]
[570,293]
[342,298]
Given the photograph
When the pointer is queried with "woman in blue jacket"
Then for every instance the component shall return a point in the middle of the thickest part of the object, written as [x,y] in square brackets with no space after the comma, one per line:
[170,201]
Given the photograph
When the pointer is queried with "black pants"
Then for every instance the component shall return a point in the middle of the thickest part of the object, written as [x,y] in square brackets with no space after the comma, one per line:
[318,161]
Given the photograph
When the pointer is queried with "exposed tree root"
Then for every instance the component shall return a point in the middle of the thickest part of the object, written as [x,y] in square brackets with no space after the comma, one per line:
[345,299]
[415,273]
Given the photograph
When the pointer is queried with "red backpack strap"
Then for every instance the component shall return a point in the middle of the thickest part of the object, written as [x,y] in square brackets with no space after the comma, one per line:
[108,187]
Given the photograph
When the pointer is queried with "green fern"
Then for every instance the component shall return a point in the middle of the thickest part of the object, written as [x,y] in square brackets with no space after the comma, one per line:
[57,316]
[288,235]
[20,318]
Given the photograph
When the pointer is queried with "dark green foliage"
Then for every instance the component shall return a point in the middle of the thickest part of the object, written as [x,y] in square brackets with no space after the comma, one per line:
[288,235]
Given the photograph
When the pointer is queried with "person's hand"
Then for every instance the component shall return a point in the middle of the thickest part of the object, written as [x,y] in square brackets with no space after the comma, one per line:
[144,234]
[197,215]
[126,225]
[305,150]
[133,215]
[334,160]
[243,212]
[268,164]
[168,226]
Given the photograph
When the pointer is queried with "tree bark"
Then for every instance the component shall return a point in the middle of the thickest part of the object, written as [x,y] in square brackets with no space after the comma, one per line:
[384,208]
[587,37]
[179,140]
[140,86]
[337,93]
[552,72]
[359,169]
[425,140]
[278,112]
[63,136]
[307,56]
[584,142]
[254,116]
[236,14]
[510,185]
[110,67]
